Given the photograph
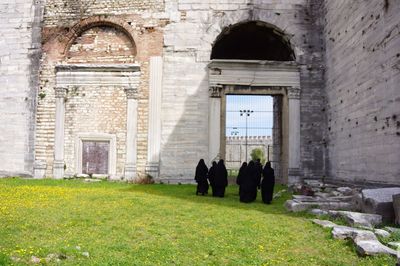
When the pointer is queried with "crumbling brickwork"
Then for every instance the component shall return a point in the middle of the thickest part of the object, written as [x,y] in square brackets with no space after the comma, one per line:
[362,84]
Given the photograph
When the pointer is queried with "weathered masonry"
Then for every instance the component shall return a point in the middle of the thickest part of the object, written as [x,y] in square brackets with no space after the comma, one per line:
[129,88]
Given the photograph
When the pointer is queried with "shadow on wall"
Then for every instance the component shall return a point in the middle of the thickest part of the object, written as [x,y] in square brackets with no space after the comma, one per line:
[184,116]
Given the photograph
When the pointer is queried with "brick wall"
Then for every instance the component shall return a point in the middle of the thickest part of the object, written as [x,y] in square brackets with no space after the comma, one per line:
[362,84]
[120,38]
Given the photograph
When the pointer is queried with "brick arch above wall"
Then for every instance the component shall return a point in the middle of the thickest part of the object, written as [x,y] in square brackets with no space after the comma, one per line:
[98,21]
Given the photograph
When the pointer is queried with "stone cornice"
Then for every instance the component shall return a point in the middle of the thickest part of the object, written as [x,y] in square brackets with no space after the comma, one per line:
[99,68]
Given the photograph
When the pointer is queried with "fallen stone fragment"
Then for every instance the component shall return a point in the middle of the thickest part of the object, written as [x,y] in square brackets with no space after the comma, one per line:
[372,248]
[394,245]
[346,232]
[392,229]
[396,208]
[324,223]
[318,212]
[382,233]
[298,206]
[357,218]
[345,190]
[380,201]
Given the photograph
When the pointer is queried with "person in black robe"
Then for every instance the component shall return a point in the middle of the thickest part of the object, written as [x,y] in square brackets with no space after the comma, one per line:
[201,178]
[211,176]
[221,180]
[259,171]
[268,183]
[241,174]
[249,184]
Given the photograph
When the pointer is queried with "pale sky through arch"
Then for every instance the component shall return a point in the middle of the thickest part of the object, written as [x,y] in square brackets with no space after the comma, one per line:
[259,123]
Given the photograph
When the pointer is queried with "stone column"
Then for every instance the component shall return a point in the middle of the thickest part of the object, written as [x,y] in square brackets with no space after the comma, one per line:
[58,164]
[131,134]
[154,130]
[214,123]
[294,173]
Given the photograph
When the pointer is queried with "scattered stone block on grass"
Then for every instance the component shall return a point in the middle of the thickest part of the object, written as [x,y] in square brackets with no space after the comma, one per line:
[372,248]
[346,232]
[318,212]
[382,233]
[324,223]
[347,191]
[357,218]
[380,201]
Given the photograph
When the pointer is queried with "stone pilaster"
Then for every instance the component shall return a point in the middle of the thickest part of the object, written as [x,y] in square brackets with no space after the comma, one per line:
[154,129]
[294,171]
[58,164]
[131,134]
[214,123]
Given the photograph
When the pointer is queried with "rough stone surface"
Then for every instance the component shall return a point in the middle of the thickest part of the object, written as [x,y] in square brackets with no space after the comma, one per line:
[372,248]
[380,201]
[382,233]
[344,232]
[318,212]
[358,219]
[396,208]
[298,206]
[362,77]
[20,50]
[324,223]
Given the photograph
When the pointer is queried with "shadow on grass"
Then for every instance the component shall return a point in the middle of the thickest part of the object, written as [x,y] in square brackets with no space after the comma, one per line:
[231,199]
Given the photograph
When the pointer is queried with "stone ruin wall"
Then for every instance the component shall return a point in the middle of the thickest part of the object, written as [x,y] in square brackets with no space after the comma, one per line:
[20,49]
[361,106]
[86,107]
[362,84]
[188,42]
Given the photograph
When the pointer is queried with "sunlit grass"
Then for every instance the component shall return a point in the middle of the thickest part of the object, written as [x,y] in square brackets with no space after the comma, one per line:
[122,224]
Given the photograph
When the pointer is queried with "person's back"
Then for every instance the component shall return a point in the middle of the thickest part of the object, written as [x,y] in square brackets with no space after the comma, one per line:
[221,179]
[268,183]
[248,187]
[201,178]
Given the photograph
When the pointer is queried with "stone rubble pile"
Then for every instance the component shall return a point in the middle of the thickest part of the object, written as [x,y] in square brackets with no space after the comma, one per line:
[362,209]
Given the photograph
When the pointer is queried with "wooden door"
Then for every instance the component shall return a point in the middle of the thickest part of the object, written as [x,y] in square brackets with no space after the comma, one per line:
[95,157]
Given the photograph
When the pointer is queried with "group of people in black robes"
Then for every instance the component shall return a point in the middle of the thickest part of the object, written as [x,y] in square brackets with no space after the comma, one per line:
[217,176]
[248,179]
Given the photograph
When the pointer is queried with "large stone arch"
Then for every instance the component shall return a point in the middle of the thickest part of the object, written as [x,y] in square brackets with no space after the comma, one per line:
[221,23]
[267,76]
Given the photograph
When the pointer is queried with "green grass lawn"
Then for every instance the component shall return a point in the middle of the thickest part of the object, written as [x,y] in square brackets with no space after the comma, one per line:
[125,224]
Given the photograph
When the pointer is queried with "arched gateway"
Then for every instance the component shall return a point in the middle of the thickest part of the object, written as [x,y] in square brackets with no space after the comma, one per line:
[256,58]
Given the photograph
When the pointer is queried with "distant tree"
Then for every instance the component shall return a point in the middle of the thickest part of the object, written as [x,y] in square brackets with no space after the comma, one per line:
[258,153]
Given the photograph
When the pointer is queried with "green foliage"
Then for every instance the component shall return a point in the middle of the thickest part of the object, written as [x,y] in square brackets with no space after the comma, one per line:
[258,153]
[127,224]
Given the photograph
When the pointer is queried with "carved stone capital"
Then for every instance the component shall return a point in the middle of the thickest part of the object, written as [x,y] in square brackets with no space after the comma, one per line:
[131,93]
[60,92]
[215,91]
[293,93]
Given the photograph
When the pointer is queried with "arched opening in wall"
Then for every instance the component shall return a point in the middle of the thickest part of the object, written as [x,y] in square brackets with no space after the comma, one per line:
[254,40]
[102,44]
[253,68]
